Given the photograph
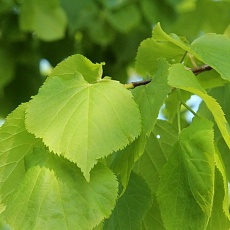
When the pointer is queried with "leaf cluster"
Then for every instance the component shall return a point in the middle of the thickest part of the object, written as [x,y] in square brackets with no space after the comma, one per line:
[87,152]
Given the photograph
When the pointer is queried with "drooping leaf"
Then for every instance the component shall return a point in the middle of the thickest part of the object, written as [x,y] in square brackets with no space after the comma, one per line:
[187,180]
[36,13]
[151,97]
[78,63]
[15,143]
[218,219]
[55,195]
[131,206]
[181,78]
[82,121]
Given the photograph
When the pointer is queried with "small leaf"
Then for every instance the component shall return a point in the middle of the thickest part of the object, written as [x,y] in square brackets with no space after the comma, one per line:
[181,78]
[82,121]
[78,63]
[187,180]
[46,18]
[131,206]
[55,195]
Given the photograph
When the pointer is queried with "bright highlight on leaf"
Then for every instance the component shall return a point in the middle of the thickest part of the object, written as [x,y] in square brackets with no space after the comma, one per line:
[81,121]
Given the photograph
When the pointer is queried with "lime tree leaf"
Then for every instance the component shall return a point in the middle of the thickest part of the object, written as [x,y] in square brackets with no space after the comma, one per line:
[212,49]
[154,48]
[131,206]
[15,143]
[181,78]
[157,150]
[151,97]
[186,186]
[82,121]
[36,13]
[122,162]
[55,195]
[78,63]
[218,219]
[153,218]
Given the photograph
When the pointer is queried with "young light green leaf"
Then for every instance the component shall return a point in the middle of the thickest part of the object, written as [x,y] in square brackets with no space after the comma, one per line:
[82,121]
[35,14]
[131,206]
[78,63]
[55,195]
[15,143]
[187,180]
[150,50]
[151,97]
[181,78]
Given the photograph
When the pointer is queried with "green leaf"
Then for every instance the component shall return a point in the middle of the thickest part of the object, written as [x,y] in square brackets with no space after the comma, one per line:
[55,195]
[82,121]
[151,97]
[153,218]
[218,219]
[15,143]
[158,149]
[46,18]
[212,49]
[123,161]
[78,63]
[181,78]
[187,180]
[150,50]
[131,206]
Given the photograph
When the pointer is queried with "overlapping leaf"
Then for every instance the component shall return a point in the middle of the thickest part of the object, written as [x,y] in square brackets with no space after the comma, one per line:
[15,143]
[181,78]
[151,97]
[158,149]
[55,195]
[131,207]
[82,121]
[187,180]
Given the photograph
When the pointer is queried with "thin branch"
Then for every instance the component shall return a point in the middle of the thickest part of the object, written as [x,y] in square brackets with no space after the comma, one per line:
[196,71]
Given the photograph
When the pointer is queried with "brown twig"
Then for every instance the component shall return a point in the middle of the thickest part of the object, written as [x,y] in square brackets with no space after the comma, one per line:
[196,71]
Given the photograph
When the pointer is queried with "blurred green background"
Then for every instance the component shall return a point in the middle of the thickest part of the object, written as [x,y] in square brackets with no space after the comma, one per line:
[33,32]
